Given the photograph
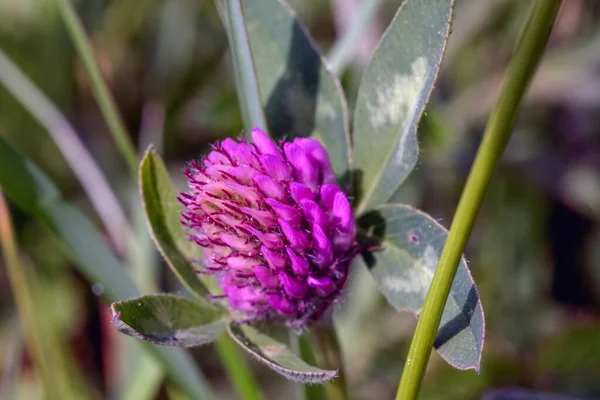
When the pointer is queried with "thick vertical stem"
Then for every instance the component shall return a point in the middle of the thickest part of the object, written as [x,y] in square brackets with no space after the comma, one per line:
[525,60]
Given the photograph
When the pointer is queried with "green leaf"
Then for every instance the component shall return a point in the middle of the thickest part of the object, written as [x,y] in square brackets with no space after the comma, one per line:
[276,355]
[162,209]
[33,192]
[409,245]
[24,183]
[300,95]
[392,95]
[168,320]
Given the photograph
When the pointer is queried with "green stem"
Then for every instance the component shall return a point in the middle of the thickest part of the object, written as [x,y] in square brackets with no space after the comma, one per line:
[237,369]
[302,345]
[100,90]
[525,60]
[24,302]
[245,73]
[330,357]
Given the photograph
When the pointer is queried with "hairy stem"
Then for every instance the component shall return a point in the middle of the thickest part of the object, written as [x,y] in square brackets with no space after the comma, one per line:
[498,130]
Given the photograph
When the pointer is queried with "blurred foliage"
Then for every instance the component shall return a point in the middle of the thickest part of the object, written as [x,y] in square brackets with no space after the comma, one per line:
[535,249]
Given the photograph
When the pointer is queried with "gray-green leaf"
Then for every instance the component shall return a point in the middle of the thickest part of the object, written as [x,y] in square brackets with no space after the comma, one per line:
[277,356]
[410,243]
[168,320]
[159,198]
[300,95]
[393,92]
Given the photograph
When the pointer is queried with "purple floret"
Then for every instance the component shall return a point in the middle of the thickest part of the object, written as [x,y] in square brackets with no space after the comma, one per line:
[278,232]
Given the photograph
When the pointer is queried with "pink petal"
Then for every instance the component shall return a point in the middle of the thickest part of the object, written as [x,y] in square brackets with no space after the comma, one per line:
[216,157]
[264,218]
[305,169]
[229,220]
[250,195]
[300,265]
[266,277]
[242,263]
[241,244]
[300,192]
[247,156]
[264,144]
[342,240]
[275,167]
[217,171]
[287,213]
[243,174]
[327,195]
[342,212]
[323,284]
[275,259]
[314,214]
[295,237]
[281,304]
[271,240]
[322,247]
[269,187]
[293,287]
[216,189]
[319,154]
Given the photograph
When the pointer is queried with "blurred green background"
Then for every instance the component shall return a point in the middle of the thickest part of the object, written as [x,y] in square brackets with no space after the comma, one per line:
[534,252]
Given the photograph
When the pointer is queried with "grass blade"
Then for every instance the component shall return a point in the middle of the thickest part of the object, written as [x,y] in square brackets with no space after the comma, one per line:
[103,96]
[79,159]
[24,301]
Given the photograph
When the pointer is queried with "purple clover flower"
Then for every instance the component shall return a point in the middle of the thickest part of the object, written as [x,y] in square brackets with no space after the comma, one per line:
[279,233]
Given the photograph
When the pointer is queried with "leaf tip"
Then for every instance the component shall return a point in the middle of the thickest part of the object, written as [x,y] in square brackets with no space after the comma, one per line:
[149,152]
[150,149]
[115,313]
[117,322]
[330,374]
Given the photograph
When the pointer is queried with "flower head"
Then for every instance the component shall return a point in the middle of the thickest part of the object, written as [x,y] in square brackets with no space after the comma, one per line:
[279,233]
